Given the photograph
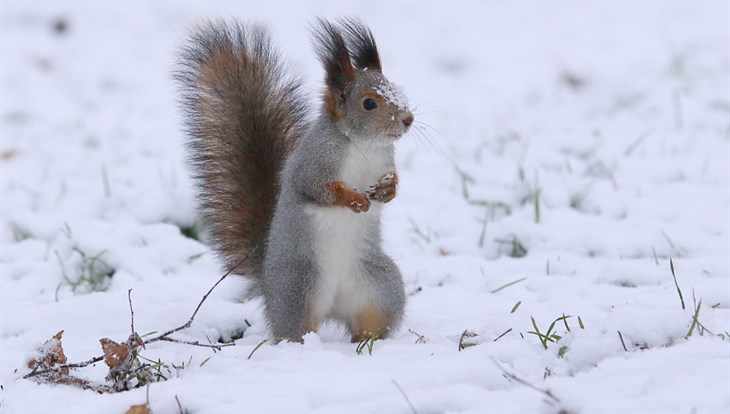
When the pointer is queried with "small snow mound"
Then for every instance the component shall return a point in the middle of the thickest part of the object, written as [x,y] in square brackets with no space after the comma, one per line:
[312,340]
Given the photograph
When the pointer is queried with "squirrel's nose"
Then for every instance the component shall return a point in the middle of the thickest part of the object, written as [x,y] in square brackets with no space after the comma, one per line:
[407,118]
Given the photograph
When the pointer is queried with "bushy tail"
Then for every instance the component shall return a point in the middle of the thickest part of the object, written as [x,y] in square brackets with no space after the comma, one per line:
[243,117]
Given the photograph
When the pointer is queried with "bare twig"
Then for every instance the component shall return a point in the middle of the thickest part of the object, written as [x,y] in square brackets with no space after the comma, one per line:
[216,347]
[179,406]
[519,380]
[163,336]
[621,337]
[64,366]
[503,334]
[131,310]
[405,396]
[421,339]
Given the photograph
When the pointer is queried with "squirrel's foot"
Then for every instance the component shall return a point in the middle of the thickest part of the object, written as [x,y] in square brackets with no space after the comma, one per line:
[384,190]
[369,323]
[349,197]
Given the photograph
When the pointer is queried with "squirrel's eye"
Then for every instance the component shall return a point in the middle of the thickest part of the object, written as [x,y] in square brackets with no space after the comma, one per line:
[369,104]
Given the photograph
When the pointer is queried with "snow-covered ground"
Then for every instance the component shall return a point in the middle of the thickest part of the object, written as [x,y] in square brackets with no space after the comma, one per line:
[593,136]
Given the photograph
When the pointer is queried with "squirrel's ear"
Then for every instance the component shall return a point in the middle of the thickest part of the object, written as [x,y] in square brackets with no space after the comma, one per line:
[362,44]
[333,53]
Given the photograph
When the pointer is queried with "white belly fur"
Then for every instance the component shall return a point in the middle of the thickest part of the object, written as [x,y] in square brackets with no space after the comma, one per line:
[341,235]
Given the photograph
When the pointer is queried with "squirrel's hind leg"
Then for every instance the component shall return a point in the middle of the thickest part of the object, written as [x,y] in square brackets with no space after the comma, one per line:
[289,305]
[367,322]
[381,315]
[294,320]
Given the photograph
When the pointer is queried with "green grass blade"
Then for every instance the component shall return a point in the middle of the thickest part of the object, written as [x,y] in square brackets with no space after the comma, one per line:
[671,267]
[514,282]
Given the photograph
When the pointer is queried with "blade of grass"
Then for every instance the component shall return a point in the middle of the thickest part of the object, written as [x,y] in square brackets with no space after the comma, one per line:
[258,346]
[566,322]
[694,319]
[514,282]
[542,337]
[679,291]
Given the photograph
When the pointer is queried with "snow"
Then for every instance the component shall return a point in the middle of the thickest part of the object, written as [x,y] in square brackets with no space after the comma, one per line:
[613,119]
[394,94]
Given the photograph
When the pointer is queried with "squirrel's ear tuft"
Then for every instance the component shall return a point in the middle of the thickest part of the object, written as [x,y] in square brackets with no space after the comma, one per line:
[363,50]
[333,54]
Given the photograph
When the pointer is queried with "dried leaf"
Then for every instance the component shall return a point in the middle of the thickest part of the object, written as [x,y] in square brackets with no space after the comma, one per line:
[8,155]
[125,369]
[139,409]
[114,353]
[138,340]
[51,357]
[51,353]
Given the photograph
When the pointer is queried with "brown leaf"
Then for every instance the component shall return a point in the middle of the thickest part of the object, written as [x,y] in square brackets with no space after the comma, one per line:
[8,155]
[138,340]
[139,409]
[51,353]
[114,353]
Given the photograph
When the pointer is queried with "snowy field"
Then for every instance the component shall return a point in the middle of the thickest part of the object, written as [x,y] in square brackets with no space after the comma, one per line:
[566,152]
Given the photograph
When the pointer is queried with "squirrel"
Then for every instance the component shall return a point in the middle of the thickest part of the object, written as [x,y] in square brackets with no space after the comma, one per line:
[294,203]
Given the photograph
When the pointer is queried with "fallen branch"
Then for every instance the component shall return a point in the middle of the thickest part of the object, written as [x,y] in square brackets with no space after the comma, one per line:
[405,397]
[135,338]
[64,366]
[216,347]
[189,323]
[131,309]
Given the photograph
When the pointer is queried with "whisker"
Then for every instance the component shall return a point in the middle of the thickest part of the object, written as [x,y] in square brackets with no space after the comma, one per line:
[425,102]
[423,124]
[428,131]
[434,130]
[428,144]
[425,134]
[419,113]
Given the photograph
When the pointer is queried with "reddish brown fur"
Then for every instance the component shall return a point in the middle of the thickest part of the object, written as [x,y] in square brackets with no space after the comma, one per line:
[312,324]
[384,191]
[347,197]
[368,321]
[331,103]
[244,117]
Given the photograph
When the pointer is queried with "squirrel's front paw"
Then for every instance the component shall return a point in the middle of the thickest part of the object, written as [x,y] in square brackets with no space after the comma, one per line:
[349,197]
[359,202]
[384,190]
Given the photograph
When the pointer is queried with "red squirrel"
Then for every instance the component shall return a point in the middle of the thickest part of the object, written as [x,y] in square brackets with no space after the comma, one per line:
[298,202]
